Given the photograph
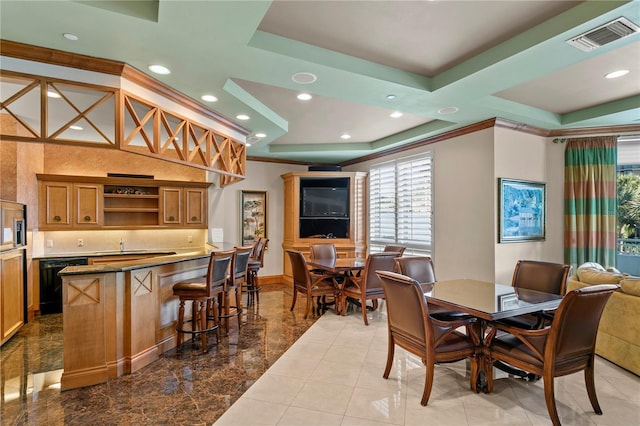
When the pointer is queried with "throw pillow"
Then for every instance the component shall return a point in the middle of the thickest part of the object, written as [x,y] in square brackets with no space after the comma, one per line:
[631,286]
[590,274]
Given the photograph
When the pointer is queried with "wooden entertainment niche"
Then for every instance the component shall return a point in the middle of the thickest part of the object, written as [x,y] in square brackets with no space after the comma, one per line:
[324,207]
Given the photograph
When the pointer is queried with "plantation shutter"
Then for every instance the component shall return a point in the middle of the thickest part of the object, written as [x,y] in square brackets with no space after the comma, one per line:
[400,204]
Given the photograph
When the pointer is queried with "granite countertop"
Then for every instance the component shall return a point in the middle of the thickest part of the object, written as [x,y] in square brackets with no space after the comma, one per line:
[127,265]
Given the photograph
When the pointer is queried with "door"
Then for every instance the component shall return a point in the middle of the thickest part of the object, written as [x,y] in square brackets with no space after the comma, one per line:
[88,205]
[11,292]
[55,205]
[195,206]
[171,206]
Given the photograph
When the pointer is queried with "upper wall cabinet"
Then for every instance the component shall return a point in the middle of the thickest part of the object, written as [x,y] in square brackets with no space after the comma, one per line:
[78,202]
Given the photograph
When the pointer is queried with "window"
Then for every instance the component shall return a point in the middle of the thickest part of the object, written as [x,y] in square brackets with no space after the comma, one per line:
[400,205]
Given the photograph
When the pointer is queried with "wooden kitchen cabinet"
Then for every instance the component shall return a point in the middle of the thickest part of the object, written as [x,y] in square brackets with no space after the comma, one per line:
[54,202]
[11,293]
[87,205]
[171,206]
[83,202]
[195,205]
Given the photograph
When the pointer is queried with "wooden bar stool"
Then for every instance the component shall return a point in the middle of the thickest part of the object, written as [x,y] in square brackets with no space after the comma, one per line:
[202,293]
[256,261]
[237,277]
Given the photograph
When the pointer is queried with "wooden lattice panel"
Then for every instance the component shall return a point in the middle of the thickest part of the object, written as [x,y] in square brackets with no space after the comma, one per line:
[60,111]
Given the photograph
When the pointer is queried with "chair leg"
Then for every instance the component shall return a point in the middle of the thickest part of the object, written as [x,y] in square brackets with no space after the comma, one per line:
[364,310]
[180,324]
[202,312]
[239,305]
[295,296]
[391,346]
[550,399]
[308,308]
[591,387]
[428,384]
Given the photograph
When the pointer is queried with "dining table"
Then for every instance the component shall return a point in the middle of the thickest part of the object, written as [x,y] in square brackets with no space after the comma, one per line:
[488,302]
[341,268]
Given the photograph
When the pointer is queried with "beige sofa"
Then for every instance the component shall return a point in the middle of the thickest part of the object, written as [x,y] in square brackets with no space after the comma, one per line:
[619,331]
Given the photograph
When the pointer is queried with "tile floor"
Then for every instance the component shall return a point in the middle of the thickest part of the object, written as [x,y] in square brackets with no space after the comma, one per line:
[333,376]
[283,370]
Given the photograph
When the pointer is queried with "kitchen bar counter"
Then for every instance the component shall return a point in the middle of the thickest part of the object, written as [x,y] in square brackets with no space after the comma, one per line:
[119,317]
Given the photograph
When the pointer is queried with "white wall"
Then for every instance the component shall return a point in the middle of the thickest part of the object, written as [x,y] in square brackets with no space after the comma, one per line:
[224,207]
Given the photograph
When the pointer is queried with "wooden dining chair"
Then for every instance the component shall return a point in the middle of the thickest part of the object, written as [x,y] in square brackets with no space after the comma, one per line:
[202,292]
[367,286]
[322,251]
[394,249]
[307,283]
[546,277]
[565,347]
[413,329]
[421,269]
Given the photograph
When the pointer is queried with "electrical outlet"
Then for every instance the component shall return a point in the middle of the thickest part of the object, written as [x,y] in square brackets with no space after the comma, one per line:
[49,243]
[80,242]
[190,239]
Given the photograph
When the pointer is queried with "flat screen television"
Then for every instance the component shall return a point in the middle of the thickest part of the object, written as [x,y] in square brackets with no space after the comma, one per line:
[325,202]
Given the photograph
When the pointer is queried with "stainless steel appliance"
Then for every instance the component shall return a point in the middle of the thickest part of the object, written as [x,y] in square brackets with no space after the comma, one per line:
[14,228]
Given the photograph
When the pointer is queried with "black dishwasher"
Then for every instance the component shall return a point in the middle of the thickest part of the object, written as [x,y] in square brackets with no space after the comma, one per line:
[51,283]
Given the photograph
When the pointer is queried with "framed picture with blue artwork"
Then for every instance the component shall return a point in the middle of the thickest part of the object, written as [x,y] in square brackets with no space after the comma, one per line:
[522,210]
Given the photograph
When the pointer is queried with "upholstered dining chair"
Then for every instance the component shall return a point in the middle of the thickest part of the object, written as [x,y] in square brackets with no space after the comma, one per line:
[256,262]
[565,347]
[202,292]
[236,279]
[307,283]
[421,269]
[367,286]
[535,275]
[394,248]
[322,251]
[413,329]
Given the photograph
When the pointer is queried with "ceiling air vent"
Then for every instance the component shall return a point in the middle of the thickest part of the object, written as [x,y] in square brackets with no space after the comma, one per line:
[605,34]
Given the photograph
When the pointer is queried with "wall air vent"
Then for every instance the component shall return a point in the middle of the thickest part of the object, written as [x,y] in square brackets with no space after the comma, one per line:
[605,34]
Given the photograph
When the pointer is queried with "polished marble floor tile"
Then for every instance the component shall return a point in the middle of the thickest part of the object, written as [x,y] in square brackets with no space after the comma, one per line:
[182,387]
[283,370]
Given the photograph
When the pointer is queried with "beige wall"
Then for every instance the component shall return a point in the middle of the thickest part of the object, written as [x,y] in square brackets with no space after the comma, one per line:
[466,172]
[224,208]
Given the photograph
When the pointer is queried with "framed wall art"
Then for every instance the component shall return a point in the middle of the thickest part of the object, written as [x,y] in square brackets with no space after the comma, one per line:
[253,216]
[521,211]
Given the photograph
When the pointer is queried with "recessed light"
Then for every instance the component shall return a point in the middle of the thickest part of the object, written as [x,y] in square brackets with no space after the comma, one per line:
[616,74]
[159,69]
[447,110]
[304,77]
[261,135]
[396,114]
[70,36]
[304,96]
[346,136]
[391,97]
[242,117]
[52,94]
[209,98]
[75,127]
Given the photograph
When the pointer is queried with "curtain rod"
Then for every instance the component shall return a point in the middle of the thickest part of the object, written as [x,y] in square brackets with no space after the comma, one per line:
[563,140]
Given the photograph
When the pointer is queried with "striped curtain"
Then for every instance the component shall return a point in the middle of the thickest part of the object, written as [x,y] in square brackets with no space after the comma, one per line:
[590,201]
